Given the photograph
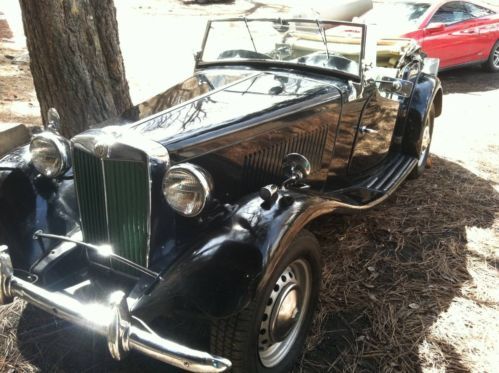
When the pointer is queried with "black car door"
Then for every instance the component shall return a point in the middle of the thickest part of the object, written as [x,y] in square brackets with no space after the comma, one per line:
[374,130]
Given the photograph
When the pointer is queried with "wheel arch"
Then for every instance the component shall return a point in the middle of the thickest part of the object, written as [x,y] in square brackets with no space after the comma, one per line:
[438,101]
[222,273]
[427,92]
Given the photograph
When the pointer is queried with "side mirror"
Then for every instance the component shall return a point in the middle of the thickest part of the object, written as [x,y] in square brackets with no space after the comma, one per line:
[53,120]
[435,27]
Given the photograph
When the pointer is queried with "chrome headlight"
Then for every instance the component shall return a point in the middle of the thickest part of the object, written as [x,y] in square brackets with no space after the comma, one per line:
[50,154]
[187,188]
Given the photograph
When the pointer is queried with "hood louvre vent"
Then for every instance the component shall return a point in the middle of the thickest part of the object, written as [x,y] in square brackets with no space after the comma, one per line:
[264,166]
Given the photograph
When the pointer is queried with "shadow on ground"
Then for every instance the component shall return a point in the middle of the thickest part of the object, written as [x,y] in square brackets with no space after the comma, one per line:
[388,274]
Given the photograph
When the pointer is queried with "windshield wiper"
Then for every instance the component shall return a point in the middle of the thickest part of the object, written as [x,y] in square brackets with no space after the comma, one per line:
[323,36]
[249,32]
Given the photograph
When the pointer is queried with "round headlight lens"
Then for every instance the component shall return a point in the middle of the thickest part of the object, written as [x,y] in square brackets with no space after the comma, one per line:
[187,188]
[50,154]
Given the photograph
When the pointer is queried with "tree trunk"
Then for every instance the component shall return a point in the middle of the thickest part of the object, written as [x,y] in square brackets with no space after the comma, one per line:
[76,60]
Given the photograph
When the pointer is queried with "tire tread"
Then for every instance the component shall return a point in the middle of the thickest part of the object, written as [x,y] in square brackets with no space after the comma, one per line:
[229,335]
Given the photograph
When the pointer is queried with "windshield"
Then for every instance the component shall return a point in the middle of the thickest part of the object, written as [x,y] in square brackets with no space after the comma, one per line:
[327,45]
[398,16]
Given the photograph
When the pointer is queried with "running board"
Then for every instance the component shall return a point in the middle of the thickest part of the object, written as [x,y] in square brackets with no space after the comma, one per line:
[399,169]
[373,190]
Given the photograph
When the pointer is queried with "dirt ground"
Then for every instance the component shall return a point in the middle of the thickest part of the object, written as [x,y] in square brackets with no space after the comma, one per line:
[412,285]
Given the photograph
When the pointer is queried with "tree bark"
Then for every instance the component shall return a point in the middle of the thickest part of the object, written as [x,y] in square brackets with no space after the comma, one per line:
[76,61]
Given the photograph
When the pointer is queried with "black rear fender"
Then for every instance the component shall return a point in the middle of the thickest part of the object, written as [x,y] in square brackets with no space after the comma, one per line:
[427,91]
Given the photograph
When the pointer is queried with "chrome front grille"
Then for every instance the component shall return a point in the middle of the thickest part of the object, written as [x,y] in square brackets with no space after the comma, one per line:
[114,201]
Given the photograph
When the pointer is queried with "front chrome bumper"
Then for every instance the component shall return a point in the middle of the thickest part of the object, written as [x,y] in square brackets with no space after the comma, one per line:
[113,321]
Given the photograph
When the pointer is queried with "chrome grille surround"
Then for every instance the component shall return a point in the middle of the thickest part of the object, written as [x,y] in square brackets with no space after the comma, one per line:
[124,147]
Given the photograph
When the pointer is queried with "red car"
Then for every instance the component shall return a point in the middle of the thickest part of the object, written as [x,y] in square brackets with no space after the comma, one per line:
[457,32]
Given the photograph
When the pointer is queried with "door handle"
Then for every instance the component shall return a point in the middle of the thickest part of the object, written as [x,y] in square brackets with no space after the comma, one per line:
[364,129]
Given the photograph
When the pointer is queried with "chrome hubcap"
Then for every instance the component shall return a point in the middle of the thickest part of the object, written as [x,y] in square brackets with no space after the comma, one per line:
[284,313]
[425,143]
[495,58]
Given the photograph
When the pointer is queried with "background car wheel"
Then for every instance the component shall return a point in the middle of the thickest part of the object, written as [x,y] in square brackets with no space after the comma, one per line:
[420,147]
[492,63]
[268,335]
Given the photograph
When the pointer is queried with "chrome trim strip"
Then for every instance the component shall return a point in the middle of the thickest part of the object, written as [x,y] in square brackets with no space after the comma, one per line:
[112,320]
[106,203]
[111,143]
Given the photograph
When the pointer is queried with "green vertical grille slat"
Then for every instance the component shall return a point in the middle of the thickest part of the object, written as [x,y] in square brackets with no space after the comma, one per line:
[126,186]
[128,199]
[90,187]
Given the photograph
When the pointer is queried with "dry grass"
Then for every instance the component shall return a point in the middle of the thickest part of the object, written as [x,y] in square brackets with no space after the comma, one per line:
[404,289]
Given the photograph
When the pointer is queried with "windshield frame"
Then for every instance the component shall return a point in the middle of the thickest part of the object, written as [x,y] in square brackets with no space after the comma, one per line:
[285,64]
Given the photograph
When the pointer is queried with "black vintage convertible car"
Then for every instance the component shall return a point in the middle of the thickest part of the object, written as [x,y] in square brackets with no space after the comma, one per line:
[193,206]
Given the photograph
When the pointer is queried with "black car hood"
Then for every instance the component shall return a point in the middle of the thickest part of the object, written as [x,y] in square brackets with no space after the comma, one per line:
[212,100]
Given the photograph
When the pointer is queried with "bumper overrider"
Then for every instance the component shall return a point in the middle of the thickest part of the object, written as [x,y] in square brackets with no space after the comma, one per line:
[112,321]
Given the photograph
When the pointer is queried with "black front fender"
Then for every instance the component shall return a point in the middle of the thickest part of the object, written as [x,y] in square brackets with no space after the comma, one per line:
[227,267]
[28,203]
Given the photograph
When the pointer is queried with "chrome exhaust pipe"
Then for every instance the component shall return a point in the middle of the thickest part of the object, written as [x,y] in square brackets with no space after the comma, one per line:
[112,321]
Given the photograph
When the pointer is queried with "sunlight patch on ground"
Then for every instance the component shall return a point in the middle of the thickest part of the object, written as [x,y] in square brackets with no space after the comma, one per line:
[464,334]
[20,109]
[468,136]
[469,330]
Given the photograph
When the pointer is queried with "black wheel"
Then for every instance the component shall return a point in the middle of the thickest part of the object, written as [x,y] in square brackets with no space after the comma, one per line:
[269,334]
[492,63]
[420,146]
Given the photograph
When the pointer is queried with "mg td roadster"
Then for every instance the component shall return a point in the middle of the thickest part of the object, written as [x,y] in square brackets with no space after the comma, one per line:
[193,205]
